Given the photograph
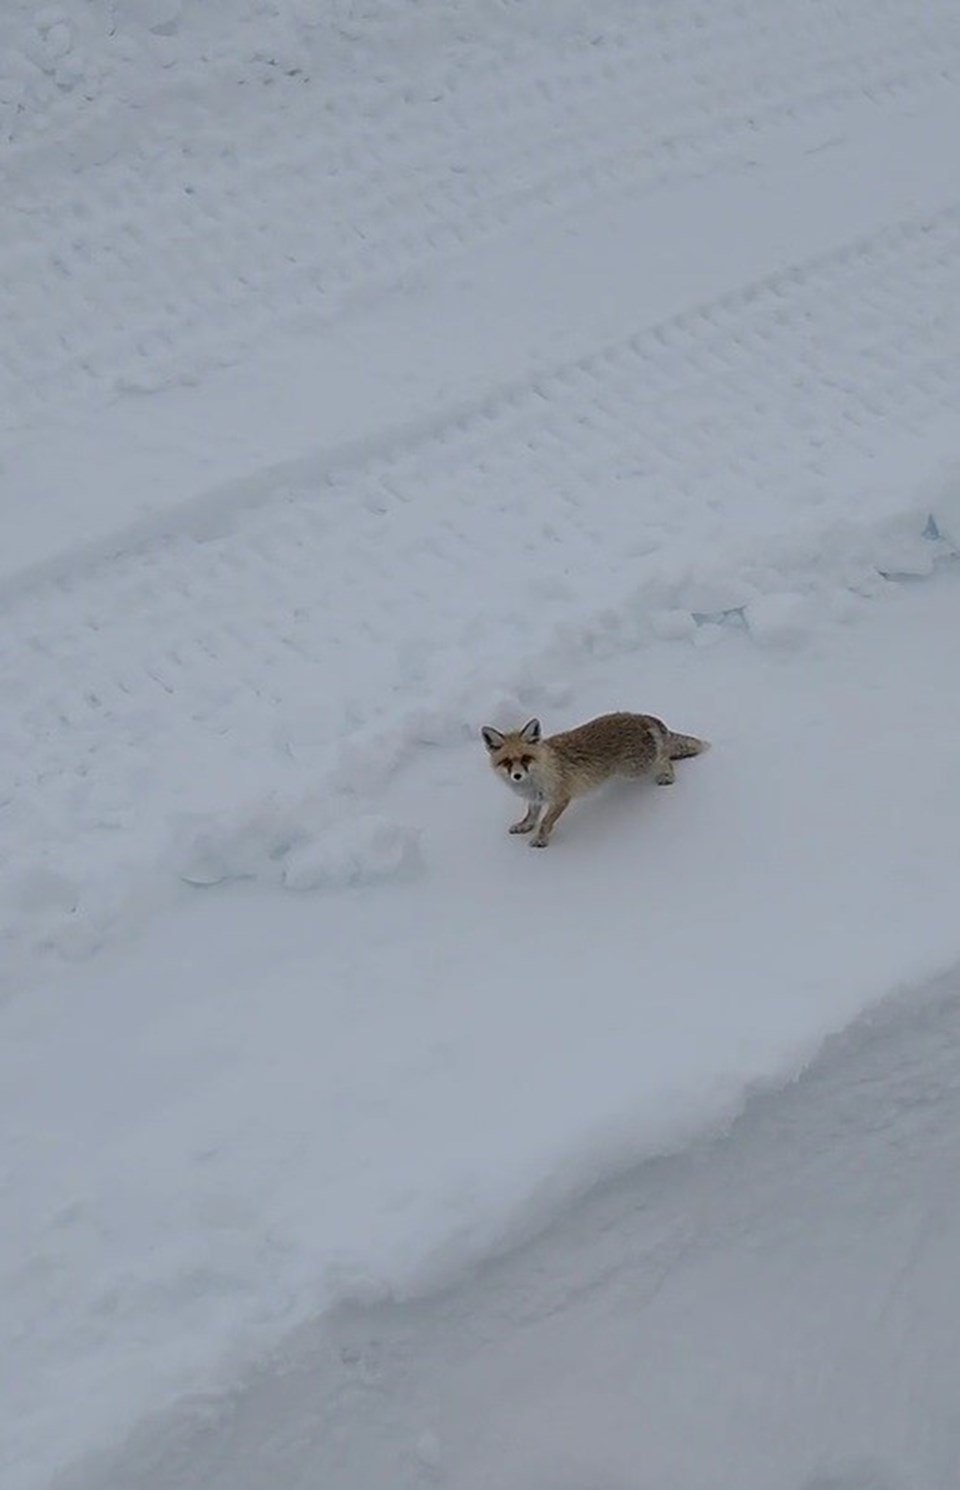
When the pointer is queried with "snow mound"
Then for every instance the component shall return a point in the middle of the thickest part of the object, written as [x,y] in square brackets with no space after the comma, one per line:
[361,851]
[297,846]
[778,620]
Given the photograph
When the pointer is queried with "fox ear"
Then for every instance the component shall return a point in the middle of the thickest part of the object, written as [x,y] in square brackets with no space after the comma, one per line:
[492,738]
[530,734]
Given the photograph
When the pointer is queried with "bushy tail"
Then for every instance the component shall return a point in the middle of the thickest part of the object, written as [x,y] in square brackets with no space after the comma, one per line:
[681,746]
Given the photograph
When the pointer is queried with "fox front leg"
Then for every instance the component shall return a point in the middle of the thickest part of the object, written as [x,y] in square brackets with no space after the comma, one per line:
[529,820]
[548,823]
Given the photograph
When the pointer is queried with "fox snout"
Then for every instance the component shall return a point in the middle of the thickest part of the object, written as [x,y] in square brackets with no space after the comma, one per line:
[515,769]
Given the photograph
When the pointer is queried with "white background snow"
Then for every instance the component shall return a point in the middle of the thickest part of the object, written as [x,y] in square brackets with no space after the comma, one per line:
[372,370]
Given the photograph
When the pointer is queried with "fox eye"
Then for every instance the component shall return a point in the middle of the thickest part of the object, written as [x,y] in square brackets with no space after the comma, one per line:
[526,761]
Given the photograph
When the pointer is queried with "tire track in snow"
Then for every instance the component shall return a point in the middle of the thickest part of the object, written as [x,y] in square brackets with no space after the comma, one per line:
[187,257]
[326,611]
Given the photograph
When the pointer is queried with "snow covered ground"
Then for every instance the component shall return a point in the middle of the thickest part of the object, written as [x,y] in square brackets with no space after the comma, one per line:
[372,372]
[776,1310]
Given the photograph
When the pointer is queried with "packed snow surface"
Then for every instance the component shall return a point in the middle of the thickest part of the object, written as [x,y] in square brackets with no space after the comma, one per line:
[372,372]
[773,1310]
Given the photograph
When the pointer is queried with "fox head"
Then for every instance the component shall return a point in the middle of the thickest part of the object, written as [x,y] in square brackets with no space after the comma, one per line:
[514,754]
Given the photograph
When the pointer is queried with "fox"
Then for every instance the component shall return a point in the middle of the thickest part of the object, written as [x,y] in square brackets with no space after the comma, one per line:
[548,773]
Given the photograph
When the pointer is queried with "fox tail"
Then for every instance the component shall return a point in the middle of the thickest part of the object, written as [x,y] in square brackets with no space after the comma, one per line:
[682,746]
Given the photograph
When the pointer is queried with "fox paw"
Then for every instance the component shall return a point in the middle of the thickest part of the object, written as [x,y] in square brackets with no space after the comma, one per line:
[664,780]
[539,842]
[521,827]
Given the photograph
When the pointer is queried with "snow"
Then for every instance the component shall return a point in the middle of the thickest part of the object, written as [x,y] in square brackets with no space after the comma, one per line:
[776,1309]
[272,1103]
[371,373]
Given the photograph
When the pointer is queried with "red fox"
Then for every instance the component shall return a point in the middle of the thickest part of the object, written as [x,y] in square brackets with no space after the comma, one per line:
[549,773]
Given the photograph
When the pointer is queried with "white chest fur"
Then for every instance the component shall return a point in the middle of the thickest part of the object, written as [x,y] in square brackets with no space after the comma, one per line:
[529,788]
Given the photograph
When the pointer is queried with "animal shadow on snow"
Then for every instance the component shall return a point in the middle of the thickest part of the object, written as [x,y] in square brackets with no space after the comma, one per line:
[616,812]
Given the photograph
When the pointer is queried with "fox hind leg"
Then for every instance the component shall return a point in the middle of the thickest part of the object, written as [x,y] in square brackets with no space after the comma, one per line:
[529,820]
[663,770]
